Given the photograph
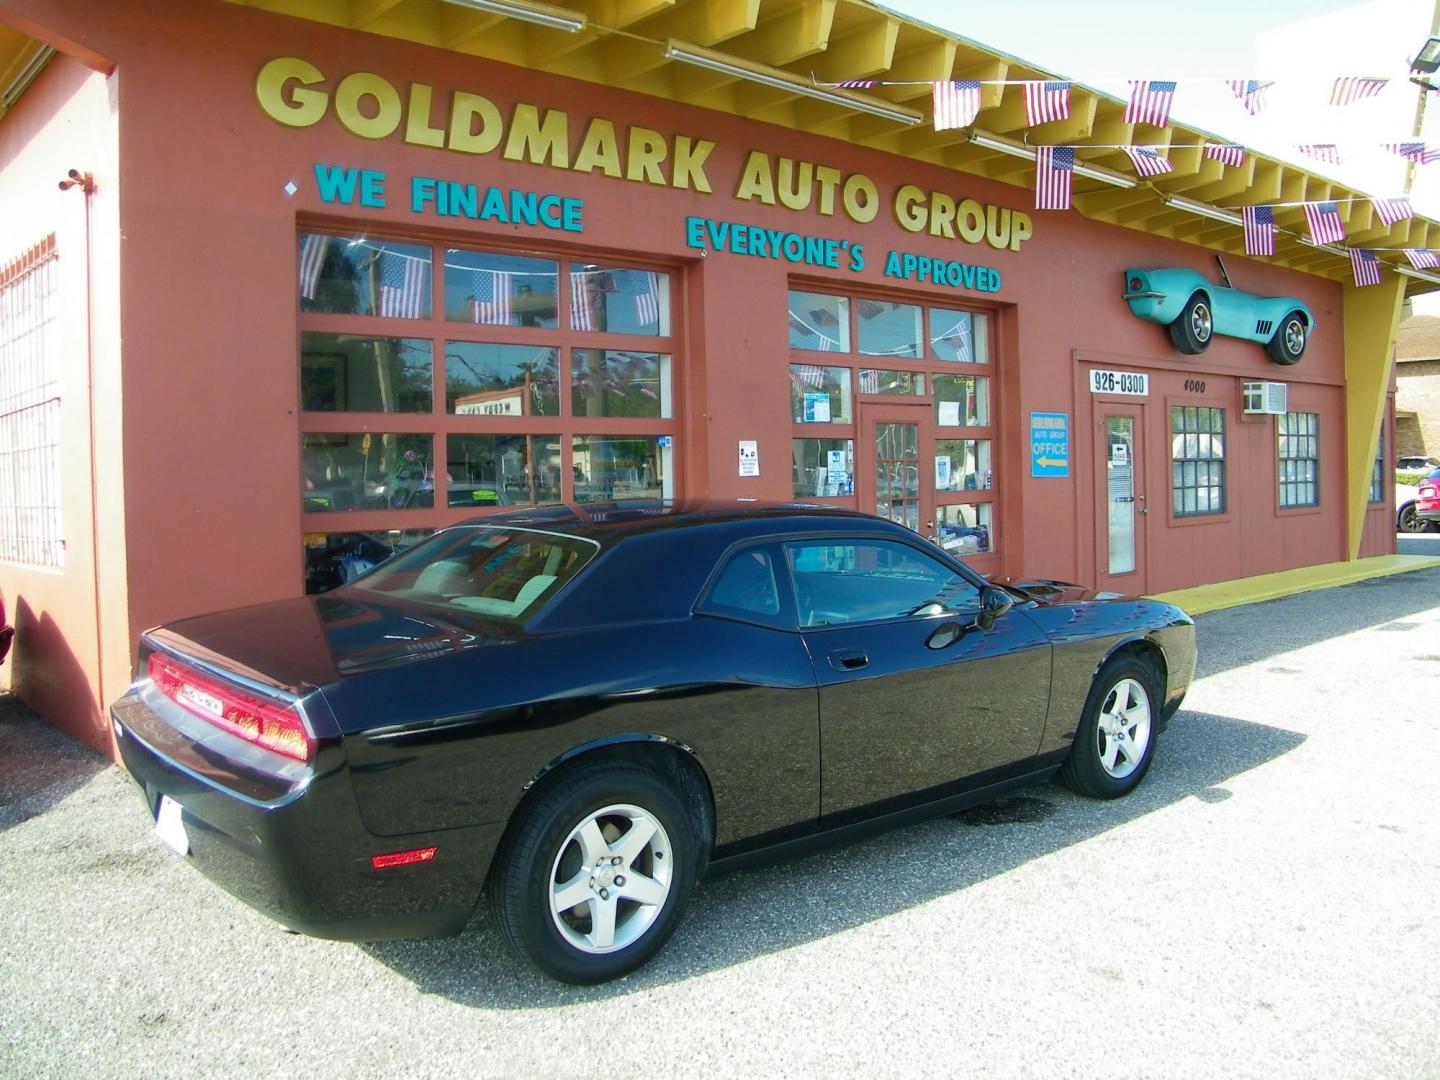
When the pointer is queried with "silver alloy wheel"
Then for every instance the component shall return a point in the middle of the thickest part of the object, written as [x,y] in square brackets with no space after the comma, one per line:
[610,879]
[1200,322]
[1294,337]
[1123,732]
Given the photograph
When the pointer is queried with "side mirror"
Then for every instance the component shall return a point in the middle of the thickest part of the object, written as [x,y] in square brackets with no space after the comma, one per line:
[993,604]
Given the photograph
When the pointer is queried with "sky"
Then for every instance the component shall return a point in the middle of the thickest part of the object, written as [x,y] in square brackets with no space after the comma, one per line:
[1302,45]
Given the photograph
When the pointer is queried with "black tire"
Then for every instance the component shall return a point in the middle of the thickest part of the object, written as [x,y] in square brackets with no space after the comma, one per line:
[1408,520]
[1288,344]
[539,843]
[1084,770]
[1195,326]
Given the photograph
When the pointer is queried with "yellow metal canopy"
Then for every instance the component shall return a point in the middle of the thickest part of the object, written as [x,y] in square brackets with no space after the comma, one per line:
[623,43]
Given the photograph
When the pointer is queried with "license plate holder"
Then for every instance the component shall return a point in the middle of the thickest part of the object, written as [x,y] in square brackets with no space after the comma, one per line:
[170,826]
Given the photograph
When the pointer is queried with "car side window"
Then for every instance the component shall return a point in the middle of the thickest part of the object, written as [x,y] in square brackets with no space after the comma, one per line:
[852,581]
[748,588]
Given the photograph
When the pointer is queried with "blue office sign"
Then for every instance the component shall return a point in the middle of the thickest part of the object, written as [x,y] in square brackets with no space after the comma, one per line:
[1049,444]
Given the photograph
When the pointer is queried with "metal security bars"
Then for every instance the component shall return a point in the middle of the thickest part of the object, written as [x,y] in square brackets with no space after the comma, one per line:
[30,409]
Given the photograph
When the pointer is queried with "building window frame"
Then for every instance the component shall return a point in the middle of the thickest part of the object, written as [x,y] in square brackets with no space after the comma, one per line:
[1297,443]
[1187,443]
[1377,472]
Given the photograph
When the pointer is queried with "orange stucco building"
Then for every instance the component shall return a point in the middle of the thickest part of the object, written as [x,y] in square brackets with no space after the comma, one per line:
[331,275]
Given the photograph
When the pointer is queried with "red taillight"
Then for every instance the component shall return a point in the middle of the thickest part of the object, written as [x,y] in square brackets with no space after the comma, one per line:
[272,726]
[403,858]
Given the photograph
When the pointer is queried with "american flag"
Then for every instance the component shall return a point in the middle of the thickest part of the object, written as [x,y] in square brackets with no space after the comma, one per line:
[313,249]
[869,381]
[1347,90]
[957,338]
[857,84]
[1324,221]
[1045,101]
[1415,151]
[1147,162]
[1250,92]
[641,285]
[1420,258]
[1229,153]
[1054,168]
[404,286]
[1259,229]
[490,296]
[1150,102]
[1321,152]
[587,296]
[1390,211]
[1366,266]
[956,103]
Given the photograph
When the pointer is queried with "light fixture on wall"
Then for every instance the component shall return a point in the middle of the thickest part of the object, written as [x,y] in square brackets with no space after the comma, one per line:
[1427,61]
[1026,151]
[75,178]
[1214,213]
[555,18]
[1344,253]
[685,53]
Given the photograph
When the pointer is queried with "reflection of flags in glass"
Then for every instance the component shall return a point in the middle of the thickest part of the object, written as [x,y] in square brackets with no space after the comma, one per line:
[404,280]
[957,339]
[1366,266]
[1259,224]
[808,375]
[585,299]
[641,285]
[313,249]
[491,290]
[869,381]
[805,336]
[1421,258]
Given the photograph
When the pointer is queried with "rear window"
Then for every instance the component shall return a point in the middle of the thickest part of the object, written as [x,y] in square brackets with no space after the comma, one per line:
[498,572]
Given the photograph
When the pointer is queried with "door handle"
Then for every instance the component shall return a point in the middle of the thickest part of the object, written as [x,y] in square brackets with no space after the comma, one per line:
[849,660]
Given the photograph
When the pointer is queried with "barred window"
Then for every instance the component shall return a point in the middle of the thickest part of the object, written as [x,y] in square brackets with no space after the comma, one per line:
[1197,460]
[1377,474]
[1299,437]
[30,409]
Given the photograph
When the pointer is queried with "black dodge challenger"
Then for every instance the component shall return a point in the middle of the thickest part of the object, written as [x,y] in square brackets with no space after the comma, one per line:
[579,712]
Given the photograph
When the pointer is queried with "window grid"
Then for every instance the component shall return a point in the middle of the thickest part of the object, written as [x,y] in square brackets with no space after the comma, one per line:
[30,526]
[1299,461]
[1197,460]
[1377,474]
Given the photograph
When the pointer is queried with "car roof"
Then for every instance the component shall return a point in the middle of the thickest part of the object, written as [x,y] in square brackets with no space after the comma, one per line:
[607,523]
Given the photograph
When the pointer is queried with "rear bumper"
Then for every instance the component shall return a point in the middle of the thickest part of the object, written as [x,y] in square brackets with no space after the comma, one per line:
[304,858]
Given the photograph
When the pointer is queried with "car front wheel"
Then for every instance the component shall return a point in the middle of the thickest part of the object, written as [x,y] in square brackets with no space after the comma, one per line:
[1288,344]
[597,872]
[1115,741]
[1194,328]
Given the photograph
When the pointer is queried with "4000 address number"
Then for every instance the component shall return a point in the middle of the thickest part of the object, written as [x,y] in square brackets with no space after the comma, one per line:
[1133,383]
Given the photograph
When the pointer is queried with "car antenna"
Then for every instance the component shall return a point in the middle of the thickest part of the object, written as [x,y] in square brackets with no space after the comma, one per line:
[1224,276]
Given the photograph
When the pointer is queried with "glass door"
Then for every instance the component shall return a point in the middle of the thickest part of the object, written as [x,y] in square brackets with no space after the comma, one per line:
[1122,510]
[892,484]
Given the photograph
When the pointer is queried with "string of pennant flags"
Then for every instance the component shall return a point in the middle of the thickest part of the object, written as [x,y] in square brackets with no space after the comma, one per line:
[958,102]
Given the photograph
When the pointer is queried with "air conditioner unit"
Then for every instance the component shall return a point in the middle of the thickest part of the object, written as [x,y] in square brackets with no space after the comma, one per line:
[1266,398]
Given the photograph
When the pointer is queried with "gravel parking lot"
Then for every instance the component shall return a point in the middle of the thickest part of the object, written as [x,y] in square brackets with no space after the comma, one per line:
[1264,905]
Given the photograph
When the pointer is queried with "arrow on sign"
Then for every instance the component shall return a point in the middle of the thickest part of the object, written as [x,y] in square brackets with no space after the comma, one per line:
[1052,461]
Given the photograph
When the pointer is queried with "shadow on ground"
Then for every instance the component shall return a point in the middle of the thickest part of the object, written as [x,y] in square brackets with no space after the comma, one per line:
[39,765]
[1233,638]
[746,915]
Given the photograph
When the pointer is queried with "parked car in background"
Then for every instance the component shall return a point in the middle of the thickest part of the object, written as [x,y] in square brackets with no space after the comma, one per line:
[576,712]
[1407,517]
[1416,464]
[1427,501]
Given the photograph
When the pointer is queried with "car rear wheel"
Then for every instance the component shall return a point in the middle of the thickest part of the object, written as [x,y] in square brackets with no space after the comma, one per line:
[1410,521]
[1194,328]
[1288,344]
[1115,741]
[597,873]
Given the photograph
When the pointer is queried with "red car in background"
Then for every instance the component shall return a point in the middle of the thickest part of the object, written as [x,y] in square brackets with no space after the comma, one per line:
[1427,498]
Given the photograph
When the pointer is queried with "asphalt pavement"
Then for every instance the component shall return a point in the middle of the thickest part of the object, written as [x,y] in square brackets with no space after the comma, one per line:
[1264,905]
